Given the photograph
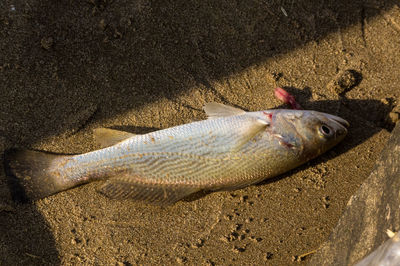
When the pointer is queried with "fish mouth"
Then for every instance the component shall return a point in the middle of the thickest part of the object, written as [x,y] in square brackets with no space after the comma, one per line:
[343,124]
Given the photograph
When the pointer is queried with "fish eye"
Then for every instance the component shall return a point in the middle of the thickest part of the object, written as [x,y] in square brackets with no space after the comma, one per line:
[325,130]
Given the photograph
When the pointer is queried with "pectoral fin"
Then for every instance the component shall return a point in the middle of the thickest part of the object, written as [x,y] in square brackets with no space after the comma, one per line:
[106,137]
[214,110]
[256,127]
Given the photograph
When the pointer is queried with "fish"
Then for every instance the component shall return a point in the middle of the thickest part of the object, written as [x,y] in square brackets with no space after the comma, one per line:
[229,150]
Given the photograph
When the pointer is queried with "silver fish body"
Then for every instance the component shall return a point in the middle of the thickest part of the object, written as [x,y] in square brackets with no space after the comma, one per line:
[230,150]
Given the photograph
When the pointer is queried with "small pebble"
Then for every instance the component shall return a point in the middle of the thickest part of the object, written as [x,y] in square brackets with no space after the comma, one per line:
[277,75]
[269,255]
[102,24]
[75,241]
[228,217]
[238,249]
[209,262]
[236,227]
[198,244]
[256,239]
[244,198]
[297,258]
[46,42]
[181,260]
[249,220]
[393,117]
[326,201]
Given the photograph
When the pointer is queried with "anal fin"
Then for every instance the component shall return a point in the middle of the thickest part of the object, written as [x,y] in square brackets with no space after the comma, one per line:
[126,187]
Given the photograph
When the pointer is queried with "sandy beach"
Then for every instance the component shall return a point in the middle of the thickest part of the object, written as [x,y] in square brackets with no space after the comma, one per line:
[69,67]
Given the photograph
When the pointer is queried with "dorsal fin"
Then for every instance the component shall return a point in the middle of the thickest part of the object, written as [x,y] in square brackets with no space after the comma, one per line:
[214,110]
[107,137]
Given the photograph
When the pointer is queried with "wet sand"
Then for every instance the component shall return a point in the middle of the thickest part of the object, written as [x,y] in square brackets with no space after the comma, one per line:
[139,66]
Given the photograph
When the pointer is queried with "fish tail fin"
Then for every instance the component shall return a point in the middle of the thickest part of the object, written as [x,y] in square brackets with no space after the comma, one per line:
[30,176]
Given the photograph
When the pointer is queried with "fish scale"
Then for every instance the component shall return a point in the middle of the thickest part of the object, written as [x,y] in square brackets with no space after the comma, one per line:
[183,159]
[230,150]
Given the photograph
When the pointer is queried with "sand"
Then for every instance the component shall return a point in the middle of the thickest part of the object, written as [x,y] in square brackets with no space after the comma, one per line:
[67,67]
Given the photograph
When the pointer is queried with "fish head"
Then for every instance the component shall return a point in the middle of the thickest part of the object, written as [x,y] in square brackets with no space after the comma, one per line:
[313,131]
